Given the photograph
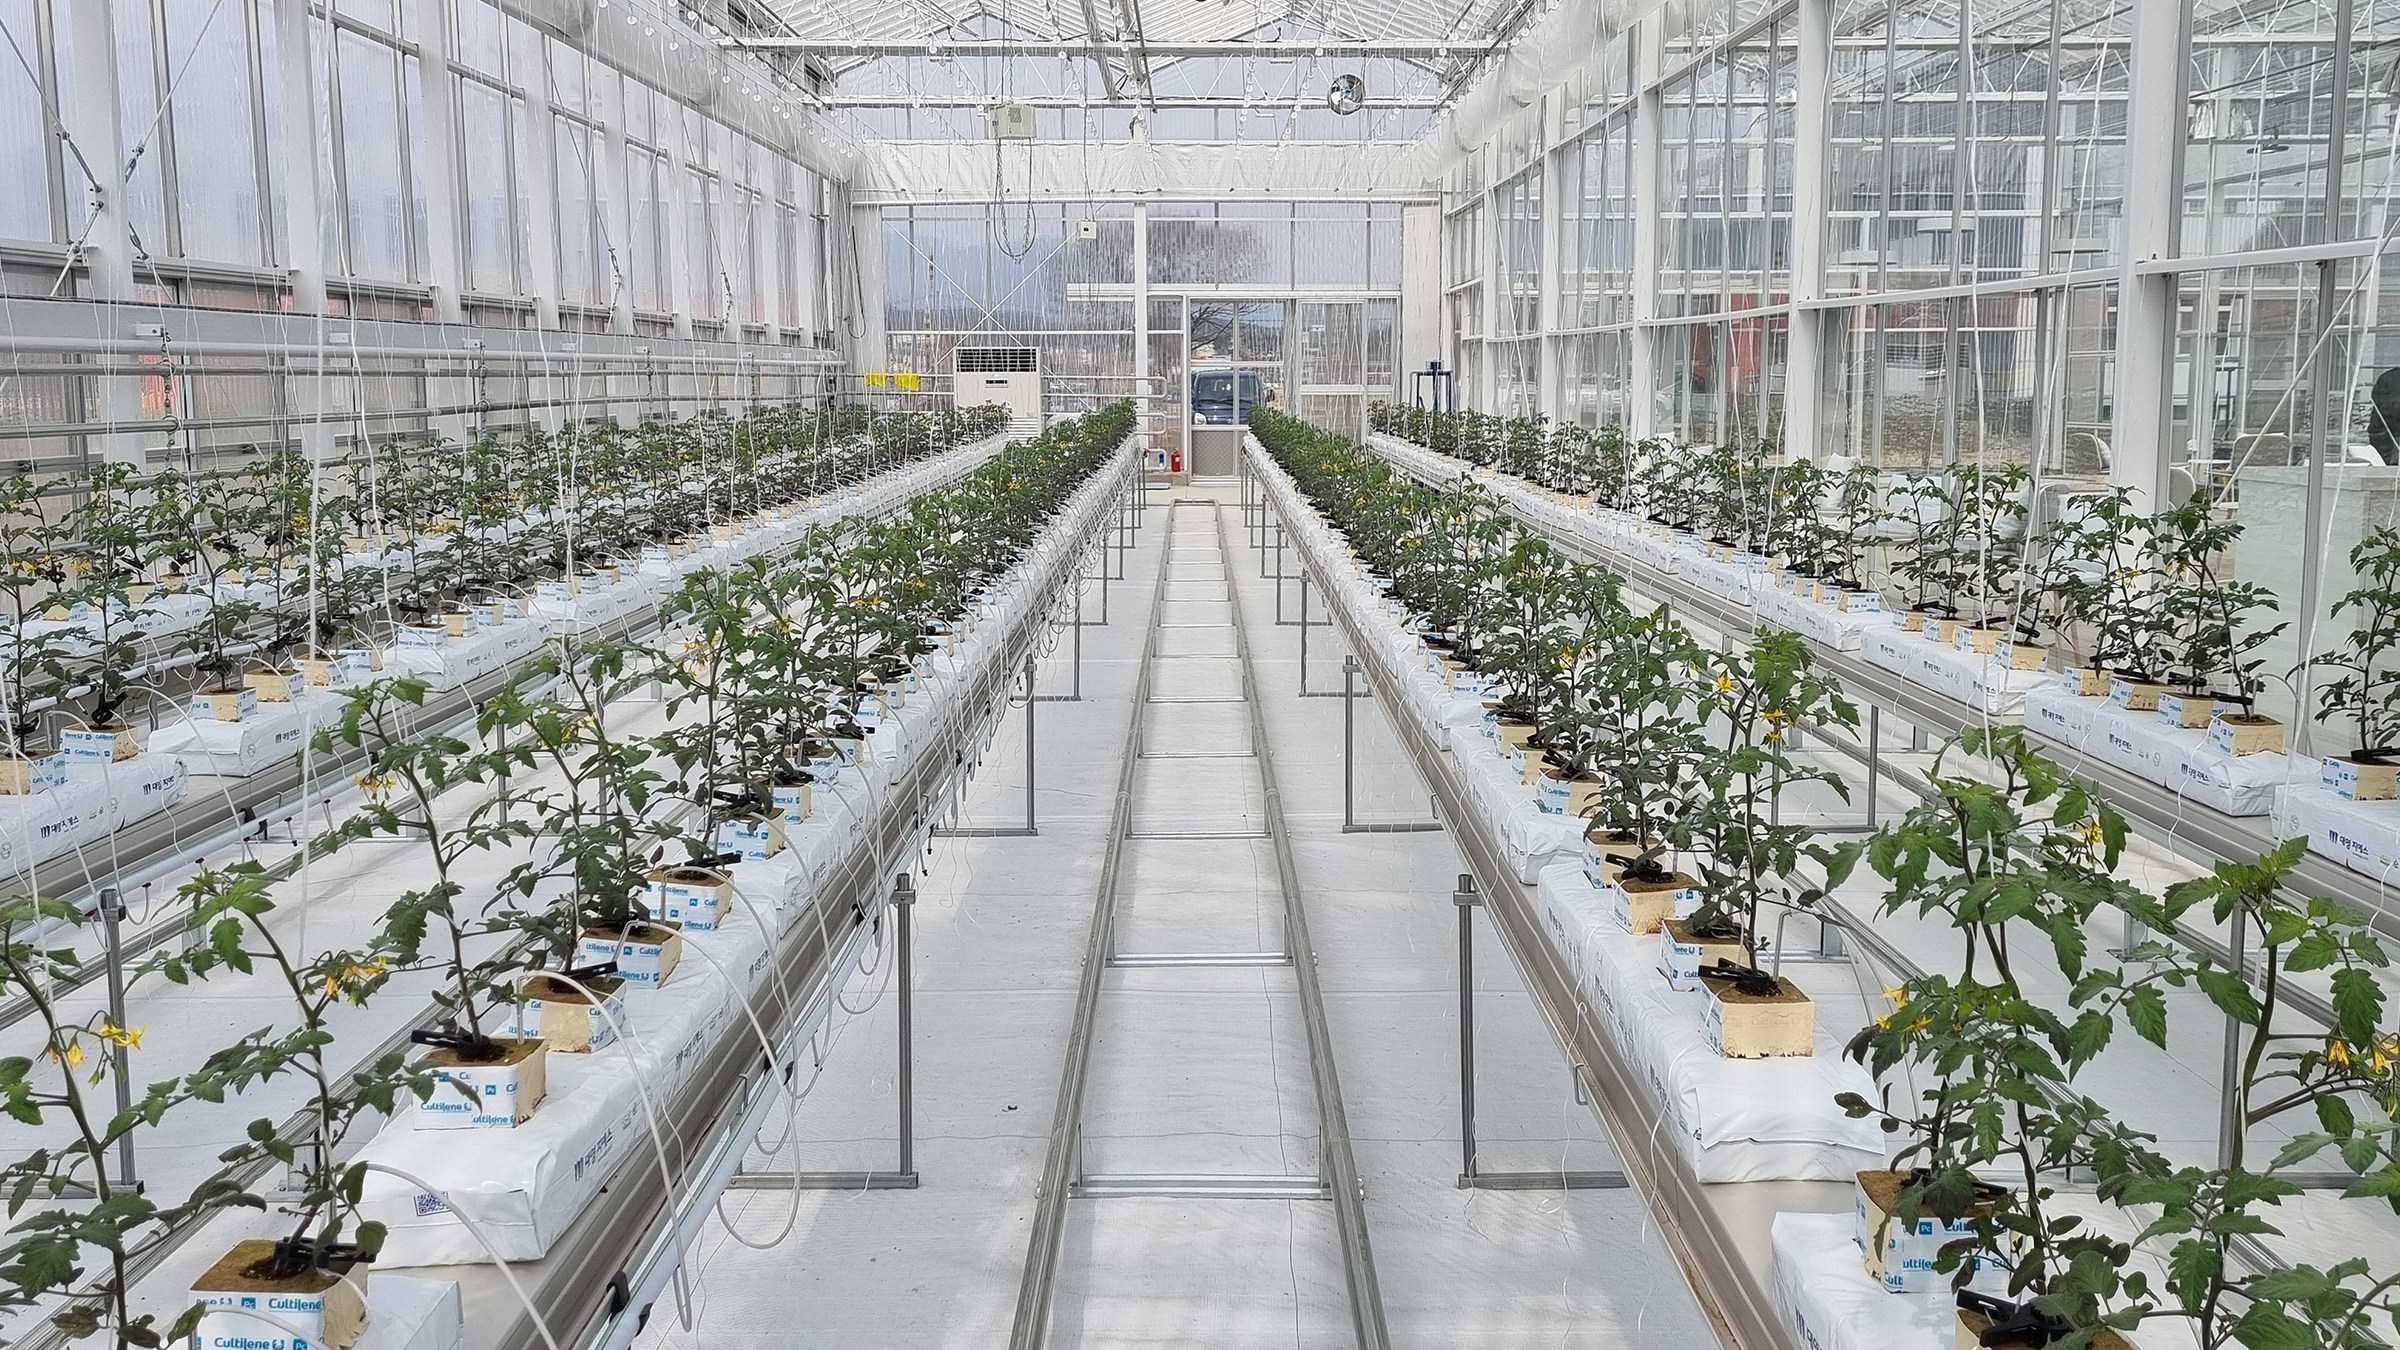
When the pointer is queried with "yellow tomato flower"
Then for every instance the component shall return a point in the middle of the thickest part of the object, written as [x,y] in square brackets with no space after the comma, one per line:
[129,1037]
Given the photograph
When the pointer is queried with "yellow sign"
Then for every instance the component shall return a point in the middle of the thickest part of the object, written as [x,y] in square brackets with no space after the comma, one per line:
[874,379]
[906,379]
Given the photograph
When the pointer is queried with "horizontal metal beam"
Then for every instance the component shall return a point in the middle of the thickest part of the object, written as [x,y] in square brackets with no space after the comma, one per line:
[1399,49]
[1224,102]
[1545,1181]
[822,1181]
[1203,1186]
[1205,960]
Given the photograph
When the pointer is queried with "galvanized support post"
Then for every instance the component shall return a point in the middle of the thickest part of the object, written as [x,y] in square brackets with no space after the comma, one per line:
[1471,1175]
[1874,760]
[904,898]
[1030,700]
[2230,1126]
[1349,751]
[1466,900]
[112,913]
[1028,829]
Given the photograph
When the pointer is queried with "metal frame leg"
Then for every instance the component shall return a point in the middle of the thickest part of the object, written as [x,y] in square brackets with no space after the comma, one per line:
[1350,821]
[903,899]
[1471,1176]
[1029,829]
[1075,642]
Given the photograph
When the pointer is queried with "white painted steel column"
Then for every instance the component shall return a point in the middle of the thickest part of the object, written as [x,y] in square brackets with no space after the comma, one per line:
[625,390]
[682,386]
[727,280]
[2154,127]
[107,235]
[615,171]
[1485,396]
[868,350]
[1144,404]
[1549,358]
[448,384]
[107,252]
[1641,401]
[1421,338]
[438,161]
[541,152]
[1804,372]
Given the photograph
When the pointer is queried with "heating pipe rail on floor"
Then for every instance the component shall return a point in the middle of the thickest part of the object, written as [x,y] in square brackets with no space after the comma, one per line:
[1340,1182]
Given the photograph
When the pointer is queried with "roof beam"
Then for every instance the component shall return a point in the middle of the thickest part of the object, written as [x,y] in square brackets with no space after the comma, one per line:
[1403,50]
[1108,72]
[1426,102]
[1137,52]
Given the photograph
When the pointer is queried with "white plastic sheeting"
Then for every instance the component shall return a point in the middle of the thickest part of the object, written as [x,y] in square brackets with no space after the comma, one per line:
[1083,170]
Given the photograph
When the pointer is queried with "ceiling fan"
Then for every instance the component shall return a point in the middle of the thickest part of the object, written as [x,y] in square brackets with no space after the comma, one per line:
[1348,94]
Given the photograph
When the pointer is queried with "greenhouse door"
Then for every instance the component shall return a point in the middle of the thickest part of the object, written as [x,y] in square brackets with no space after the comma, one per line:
[1237,365]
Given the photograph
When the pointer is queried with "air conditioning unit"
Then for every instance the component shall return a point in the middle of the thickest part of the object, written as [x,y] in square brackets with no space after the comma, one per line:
[1008,376]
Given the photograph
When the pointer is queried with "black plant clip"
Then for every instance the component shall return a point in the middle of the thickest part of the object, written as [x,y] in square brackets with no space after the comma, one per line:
[737,799]
[1747,979]
[450,1036]
[1639,868]
[296,1254]
[2013,1323]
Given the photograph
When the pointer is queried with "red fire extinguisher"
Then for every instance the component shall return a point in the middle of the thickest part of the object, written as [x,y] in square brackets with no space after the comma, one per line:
[1175,462]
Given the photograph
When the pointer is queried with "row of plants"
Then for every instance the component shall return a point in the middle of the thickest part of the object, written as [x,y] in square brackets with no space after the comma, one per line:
[609,846]
[2141,606]
[1677,753]
[116,584]
[1984,1078]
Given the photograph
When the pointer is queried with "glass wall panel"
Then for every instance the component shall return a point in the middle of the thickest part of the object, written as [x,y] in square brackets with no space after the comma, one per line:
[1330,246]
[376,199]
[215,145]
[578,215]
[25,138]
[491,227]
[138,122]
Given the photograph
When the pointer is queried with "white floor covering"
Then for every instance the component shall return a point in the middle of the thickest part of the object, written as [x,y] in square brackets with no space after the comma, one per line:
[1194,1070]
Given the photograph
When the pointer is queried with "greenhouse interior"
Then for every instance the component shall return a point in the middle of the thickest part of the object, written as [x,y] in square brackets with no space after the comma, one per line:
[742,674]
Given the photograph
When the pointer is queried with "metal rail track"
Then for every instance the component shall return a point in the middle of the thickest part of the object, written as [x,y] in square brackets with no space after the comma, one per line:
[1341,1164]
[1338,1181]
